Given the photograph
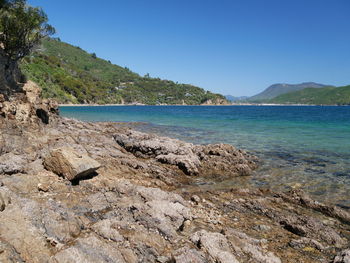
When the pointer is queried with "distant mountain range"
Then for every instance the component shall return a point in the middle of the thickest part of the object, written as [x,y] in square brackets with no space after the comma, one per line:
[281,88]
[233,98]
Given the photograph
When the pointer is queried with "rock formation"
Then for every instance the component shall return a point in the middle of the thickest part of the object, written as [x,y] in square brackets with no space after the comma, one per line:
[143,203]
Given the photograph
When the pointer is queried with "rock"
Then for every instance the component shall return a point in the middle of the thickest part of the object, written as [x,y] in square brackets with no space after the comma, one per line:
[299,197]
[305,242]
[192,160]
[216,245]
[343,257]
[251,247]
[108,229]
[167,217]
[5,199]
[11,163]
[262,228]
[89,249]
[186,255]
[71,165]
[196,199]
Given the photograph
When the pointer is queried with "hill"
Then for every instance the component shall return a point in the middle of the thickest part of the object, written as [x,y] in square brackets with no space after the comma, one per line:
[71,75]
[320,96]
[280,88]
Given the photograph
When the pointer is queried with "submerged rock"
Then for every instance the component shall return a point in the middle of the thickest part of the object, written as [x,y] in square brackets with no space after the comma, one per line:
[70,164]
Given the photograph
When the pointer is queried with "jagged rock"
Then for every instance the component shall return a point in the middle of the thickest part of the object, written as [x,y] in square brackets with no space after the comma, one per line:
[27,106]
[343,257]
[89,249]
[216,245]
[306,242]
[192,160]
[186,255]
[299,197]
[71,165]
[163,211]
[241,242]
[11,163]
[301,225]
[108,229]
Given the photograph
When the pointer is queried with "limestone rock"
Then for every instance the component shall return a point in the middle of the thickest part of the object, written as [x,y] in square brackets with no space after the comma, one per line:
[71,165]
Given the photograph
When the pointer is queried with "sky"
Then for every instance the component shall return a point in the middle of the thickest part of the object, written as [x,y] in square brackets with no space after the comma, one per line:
[236,47]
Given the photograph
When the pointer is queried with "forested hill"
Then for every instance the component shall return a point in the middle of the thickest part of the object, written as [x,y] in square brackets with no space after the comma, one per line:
[71,75]
[320,96]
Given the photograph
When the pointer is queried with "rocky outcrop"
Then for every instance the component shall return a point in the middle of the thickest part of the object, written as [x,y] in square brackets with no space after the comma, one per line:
[141,206]
[27,106]
[192,160]
[68,163]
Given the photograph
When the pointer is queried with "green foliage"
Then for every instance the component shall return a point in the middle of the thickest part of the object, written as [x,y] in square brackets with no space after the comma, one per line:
[320,96]
[72,75]
[22,27]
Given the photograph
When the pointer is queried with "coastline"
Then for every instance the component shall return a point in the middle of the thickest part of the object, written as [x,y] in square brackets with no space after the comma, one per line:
[248,104]
[138,198]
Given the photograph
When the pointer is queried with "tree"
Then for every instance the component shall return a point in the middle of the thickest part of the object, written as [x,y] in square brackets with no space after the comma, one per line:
[21,29]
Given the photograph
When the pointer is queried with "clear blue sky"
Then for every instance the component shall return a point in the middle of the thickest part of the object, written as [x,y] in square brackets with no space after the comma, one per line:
[227,46]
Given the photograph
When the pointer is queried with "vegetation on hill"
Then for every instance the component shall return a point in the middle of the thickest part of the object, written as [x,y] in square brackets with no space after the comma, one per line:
[321,96]
[279,89]
[71,75]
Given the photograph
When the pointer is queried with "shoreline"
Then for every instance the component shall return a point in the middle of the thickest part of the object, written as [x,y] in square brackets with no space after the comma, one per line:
[103,192]
[213,105]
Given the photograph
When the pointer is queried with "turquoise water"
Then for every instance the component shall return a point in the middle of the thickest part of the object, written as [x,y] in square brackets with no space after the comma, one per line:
[300,146]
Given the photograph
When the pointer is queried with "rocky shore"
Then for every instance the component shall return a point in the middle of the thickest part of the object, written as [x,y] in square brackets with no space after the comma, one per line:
[74,191]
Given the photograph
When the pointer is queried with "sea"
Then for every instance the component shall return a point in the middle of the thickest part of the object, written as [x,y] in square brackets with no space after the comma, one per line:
[305,147]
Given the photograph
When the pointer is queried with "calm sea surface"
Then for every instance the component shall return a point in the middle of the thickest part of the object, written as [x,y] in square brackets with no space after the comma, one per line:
[300,146]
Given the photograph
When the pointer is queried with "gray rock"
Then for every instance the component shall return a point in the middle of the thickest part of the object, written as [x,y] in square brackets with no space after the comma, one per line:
[89,249]
[70,164]
[107,229]
[186,255]
[251,246]
[262,228]
[11,163]
[343,257]
[215,245]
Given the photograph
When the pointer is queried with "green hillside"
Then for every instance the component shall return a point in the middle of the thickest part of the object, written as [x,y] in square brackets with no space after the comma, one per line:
[320,96]
[71,75]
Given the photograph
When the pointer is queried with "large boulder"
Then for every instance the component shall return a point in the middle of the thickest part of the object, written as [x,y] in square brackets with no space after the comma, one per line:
[70,164]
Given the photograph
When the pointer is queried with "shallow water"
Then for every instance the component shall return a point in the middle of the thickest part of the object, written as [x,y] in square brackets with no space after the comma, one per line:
[301,146]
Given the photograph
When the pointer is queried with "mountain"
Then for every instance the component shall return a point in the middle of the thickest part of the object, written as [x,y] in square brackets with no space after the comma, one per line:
[280,88]
[320,96]
[233,98]
[71,75]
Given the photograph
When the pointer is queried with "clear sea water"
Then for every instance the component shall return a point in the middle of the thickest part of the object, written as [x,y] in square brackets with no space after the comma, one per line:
[300,146]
